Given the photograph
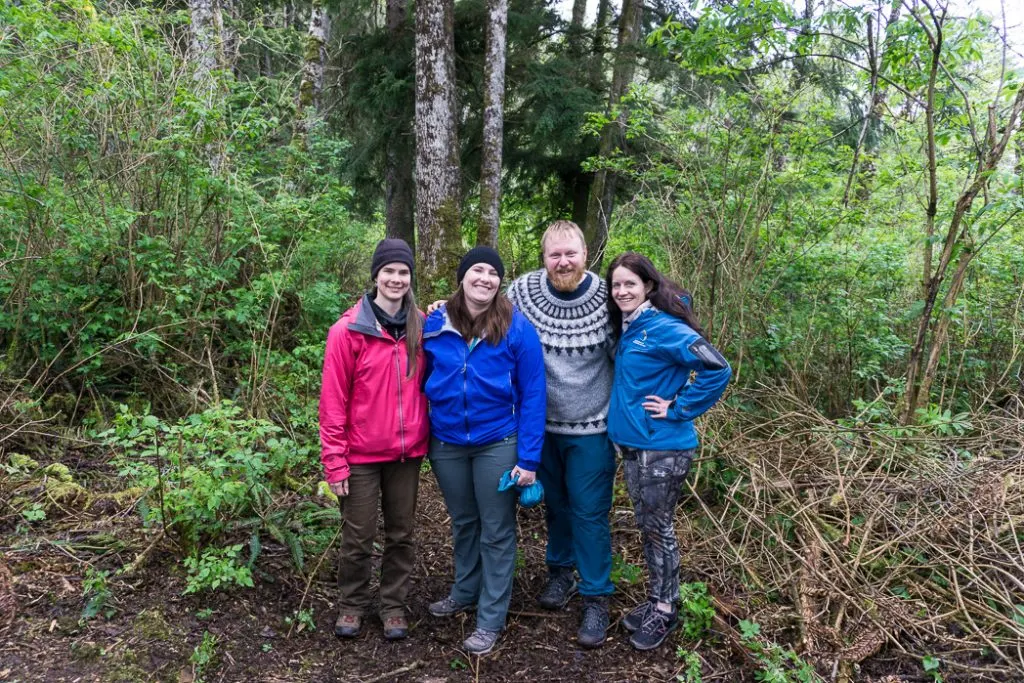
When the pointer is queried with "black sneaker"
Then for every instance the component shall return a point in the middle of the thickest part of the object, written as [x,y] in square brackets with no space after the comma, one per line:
[654,629]
[594,624]
[632,621]
[561,587]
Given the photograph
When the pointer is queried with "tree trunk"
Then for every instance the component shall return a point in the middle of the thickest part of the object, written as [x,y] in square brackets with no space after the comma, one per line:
[919,379]
[438,220]
[576,28]
[399,156]
[602,191]
[204,46]
[600,45]
[314,63]
[494,119]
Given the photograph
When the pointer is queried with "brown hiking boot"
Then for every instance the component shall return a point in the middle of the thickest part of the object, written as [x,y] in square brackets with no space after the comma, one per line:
[348,626]
[396,628]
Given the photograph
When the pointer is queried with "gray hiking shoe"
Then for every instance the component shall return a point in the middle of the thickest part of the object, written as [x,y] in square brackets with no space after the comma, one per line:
[448,607]
[481,641]
[560,588]
[632,621]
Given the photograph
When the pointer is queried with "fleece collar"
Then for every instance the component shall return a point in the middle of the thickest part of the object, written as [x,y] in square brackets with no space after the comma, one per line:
[366,321]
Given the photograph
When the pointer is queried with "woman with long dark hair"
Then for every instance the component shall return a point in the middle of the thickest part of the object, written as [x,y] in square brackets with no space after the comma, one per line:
[487,408]
[374,434]
[650,419]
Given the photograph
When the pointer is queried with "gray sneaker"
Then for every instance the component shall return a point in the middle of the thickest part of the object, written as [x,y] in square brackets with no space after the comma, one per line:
[632,621]
[448,607]
[560,588]
[481,641]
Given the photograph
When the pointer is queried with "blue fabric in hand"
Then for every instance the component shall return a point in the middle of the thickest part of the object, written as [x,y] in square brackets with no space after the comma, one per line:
[528,495]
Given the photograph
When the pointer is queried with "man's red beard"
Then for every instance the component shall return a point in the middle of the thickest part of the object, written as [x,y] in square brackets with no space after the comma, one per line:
[566,281]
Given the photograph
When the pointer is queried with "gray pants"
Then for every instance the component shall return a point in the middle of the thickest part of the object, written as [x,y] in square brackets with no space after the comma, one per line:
[483,524]
[655,481]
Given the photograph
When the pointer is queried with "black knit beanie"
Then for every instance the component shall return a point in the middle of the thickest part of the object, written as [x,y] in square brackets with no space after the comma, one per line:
[390,251]
[480,255]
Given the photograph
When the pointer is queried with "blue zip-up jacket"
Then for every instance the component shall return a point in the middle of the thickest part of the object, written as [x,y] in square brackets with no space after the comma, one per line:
[484,394]
[655,357]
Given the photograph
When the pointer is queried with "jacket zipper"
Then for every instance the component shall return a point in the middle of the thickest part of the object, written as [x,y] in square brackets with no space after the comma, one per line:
[401,413]
[512,393]
[465,387]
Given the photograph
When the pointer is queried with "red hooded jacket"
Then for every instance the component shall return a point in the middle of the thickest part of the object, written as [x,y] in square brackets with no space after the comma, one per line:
[370,412]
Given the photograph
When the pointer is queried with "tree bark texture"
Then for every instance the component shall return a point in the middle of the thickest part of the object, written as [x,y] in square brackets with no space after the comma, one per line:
[399,156]
[494,117]
[438,221]
[576,28]
[204,45]
[314,64]
[602,191]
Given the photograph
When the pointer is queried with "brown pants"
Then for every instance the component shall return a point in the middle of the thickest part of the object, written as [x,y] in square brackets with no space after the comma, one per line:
[394,485]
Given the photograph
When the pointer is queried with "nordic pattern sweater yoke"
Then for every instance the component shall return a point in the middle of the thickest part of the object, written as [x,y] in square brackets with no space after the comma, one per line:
[577,350]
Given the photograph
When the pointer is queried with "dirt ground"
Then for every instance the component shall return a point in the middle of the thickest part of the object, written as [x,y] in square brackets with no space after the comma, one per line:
[153,630]
[150,631]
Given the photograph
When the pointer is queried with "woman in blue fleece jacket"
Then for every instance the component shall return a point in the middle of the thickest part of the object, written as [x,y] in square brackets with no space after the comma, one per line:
[650,419]
[487,399]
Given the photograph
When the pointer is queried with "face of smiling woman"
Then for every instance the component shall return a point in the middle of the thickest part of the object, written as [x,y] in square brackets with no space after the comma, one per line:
[480,286]
[393,282]
[628,290]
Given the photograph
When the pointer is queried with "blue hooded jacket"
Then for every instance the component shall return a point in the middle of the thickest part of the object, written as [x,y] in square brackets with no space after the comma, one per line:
[655,356]
[483,394]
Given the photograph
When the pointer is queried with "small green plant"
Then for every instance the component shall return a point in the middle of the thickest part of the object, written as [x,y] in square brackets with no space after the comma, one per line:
[691,666]
[35,513]
[931,666]
[625,572]
[303,619]
[778,665]
[458,664]
[204,655]
[696,609]
[96,592]
[216,567]
[204,614]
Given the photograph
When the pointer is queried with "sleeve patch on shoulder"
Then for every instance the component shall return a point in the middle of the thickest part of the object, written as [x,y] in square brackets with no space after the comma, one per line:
[708,355]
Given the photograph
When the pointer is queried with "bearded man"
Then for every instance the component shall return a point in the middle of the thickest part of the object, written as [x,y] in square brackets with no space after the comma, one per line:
[567,304]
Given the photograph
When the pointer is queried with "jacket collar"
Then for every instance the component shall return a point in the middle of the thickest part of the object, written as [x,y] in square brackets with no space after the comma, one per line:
[438,323]
[366,321]
[639,311]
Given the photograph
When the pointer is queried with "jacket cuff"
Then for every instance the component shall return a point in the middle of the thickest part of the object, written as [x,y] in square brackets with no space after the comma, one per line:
[336,474]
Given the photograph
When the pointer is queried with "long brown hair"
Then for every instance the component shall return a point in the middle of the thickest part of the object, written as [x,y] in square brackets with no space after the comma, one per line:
[413,328]
[665,295]
[491,325]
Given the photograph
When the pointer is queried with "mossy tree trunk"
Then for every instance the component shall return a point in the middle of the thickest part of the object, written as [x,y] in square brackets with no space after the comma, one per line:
[494,117]
[438,213]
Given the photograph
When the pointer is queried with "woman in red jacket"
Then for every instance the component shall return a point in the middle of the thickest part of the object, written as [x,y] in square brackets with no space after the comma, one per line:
[374,433]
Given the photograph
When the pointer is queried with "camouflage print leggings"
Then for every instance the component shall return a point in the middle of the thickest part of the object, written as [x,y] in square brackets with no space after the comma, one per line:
[655,481]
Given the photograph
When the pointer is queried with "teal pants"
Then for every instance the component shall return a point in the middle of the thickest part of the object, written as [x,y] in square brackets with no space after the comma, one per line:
[578,473]
[483,524]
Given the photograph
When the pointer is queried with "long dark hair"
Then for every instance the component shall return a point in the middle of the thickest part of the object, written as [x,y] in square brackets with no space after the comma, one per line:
[665,295]
[491,325]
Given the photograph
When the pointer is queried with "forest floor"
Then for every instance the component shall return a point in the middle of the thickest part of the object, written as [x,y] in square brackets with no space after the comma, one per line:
[148,630]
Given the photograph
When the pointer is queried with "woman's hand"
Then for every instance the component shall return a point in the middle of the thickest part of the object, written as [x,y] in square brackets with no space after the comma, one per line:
[526,477]
[434,306]
[339,488]
[657,406]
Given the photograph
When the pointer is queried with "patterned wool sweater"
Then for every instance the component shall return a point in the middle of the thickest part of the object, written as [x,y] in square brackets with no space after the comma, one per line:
[578,350]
